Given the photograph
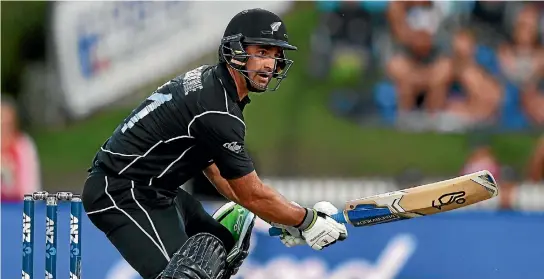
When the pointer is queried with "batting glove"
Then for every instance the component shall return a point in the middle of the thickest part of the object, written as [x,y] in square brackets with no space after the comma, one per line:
[291,236]
[323,231]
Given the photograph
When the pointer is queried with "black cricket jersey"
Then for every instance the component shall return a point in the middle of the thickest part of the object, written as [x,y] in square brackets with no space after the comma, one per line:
[187,124]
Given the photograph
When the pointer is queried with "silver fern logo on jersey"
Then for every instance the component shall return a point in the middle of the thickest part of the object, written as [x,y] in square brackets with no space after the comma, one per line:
[233,146]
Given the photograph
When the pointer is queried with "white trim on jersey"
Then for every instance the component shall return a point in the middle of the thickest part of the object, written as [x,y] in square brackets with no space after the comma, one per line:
[179,137]
[119,154]
[101,210]
[141,156]
[149,150]
[163,252]
[173,162]
[150,221]
[213,111]
[226,99]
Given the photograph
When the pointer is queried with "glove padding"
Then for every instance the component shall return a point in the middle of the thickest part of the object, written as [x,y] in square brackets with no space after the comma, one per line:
[291,236]
[325,230]
[322,233]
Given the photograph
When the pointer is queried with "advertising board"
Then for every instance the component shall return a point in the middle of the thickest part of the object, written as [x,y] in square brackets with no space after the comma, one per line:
[467,244]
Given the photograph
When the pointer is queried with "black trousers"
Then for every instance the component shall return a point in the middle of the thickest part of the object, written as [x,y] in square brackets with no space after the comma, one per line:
[146,228]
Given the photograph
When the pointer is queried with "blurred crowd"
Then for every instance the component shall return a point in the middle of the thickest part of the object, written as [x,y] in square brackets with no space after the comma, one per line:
[439,66]
[442,65]
[433,65]
[20,167]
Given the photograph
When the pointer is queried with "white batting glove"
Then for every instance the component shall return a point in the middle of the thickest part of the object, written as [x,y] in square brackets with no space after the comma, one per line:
[291,236]
[335,231]
[324,230]
[329,209]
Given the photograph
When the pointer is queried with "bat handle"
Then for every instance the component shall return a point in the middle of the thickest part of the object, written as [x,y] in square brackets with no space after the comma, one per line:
[338,217]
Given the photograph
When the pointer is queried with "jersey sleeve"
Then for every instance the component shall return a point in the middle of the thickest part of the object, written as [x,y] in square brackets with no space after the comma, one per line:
[223,136]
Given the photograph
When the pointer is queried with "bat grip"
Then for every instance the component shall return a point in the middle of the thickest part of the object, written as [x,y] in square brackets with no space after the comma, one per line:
[338,217]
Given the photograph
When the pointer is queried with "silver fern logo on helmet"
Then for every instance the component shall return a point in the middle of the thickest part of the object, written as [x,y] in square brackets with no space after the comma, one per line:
[275,26]
[238,36]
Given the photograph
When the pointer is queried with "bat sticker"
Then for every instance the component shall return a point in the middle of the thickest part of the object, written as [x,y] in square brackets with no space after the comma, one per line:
[377,220]
[450,198]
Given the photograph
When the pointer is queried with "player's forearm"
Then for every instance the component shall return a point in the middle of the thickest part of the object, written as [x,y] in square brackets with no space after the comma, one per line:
[271,206]
[257,197]
[221,184]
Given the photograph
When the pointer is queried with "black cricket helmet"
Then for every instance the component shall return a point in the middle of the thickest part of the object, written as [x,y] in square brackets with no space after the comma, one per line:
[256,27]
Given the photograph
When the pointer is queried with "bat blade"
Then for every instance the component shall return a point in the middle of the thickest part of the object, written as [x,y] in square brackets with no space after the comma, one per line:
[422,200]
[418,201]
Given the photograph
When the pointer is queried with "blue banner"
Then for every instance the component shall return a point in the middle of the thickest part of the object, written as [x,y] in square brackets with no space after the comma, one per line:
[478,245]
[453,245]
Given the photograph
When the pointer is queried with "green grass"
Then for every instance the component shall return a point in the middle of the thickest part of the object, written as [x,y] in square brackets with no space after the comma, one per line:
[72,148]
[292,132]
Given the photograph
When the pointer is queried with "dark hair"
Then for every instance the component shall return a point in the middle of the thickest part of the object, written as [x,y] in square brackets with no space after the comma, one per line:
[8,100]
[519,12]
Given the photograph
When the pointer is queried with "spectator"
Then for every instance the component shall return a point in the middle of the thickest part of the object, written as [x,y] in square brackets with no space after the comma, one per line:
[522,62]
[342,41]
[413,25]
[461,72]
[482,157]
[488,20]
[20,166]
[536,164]
[533,101]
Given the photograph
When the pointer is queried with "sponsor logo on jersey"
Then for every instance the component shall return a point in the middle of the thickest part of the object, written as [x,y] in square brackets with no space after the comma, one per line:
[234,147]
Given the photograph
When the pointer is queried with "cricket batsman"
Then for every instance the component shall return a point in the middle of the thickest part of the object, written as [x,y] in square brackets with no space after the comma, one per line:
[190,124]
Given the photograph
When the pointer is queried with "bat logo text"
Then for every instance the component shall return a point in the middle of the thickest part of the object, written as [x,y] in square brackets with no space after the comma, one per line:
[449,198]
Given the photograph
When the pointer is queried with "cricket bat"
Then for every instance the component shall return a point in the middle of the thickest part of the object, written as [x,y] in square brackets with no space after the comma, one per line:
[418,201]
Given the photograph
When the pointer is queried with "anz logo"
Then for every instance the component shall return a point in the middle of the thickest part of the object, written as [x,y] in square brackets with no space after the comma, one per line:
[74,229]
[50,231]
[27,228]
